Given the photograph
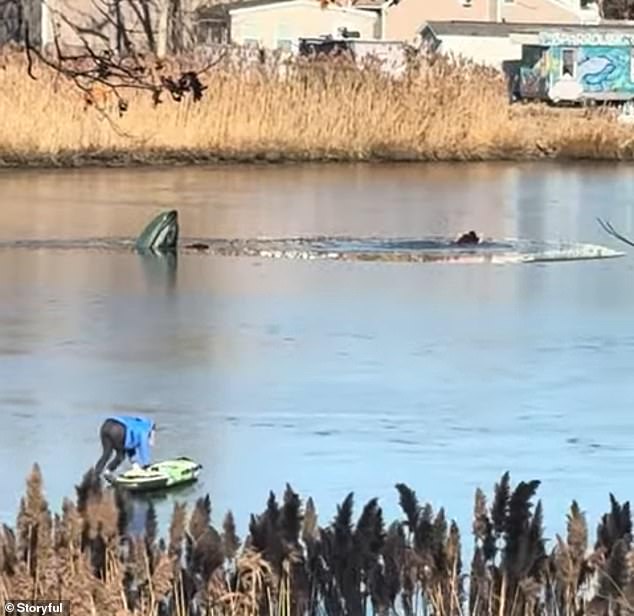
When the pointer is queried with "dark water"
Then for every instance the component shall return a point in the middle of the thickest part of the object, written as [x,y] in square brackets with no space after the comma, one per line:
[331,376]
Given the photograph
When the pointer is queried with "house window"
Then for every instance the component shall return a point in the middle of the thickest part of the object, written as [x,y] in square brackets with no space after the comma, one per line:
[284,37]
[250,34]
[568,62]
[211,31]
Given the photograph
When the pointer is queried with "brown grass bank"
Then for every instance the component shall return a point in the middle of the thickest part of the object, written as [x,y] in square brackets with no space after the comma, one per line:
[449,110]
[291,564]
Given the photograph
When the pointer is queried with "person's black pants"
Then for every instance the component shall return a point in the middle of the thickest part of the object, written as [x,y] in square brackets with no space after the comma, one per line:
[112,435]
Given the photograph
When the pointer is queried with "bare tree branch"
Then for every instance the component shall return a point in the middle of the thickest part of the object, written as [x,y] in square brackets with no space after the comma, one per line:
[120,70]
[609,229]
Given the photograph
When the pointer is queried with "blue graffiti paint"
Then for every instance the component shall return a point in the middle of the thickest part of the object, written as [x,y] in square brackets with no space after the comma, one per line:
[604,69]
[595,71]
[598,69]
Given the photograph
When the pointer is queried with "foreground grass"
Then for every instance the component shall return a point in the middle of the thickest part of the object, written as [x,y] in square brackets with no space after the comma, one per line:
[449,110]
[291,564]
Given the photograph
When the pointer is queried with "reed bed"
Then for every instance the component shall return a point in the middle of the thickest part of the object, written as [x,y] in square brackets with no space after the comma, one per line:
[290,564]
[442,108]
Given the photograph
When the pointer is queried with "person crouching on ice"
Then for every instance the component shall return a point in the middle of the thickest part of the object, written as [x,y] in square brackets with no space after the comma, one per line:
[126,436]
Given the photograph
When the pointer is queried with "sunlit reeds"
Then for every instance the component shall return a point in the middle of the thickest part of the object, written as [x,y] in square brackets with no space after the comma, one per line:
[444,109]
[291,564]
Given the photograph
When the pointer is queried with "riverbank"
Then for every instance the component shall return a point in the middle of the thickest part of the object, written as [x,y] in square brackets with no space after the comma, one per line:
[294,558]
[450,111]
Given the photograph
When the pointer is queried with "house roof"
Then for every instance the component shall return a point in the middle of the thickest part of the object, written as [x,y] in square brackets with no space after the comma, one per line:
[484,28]
[223,6]
[369,4]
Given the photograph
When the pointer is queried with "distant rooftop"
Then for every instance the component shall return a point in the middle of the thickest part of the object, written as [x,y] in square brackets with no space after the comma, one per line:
[486,28]
[370,4]
[214,6]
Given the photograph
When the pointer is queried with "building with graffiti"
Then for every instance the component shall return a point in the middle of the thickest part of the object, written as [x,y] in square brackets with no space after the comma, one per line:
[577,65]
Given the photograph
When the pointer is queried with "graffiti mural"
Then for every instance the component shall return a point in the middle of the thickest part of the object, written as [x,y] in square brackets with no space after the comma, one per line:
[591,69]
[604,69]
[532,84]
[577,39]
[535,75]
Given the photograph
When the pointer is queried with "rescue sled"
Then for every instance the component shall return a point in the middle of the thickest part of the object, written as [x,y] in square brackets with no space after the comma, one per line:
[159,476]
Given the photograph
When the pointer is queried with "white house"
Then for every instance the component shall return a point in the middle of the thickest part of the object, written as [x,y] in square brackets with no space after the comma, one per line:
[280,23]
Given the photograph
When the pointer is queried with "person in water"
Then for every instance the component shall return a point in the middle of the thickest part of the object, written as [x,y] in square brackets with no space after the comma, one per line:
[468,238]
[126,436]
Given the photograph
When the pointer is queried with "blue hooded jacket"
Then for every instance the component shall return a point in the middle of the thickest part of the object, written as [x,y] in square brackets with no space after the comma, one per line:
[137,434]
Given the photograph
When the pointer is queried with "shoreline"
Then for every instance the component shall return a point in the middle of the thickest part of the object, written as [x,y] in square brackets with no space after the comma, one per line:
[183,159]
[447,112]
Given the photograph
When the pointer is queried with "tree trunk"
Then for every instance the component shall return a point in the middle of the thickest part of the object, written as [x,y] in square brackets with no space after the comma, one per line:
[163,26]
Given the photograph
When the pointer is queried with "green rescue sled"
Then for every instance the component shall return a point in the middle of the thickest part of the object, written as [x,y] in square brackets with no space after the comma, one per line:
[159,476]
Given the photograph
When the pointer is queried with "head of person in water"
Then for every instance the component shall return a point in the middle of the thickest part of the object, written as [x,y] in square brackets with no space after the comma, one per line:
[469,238]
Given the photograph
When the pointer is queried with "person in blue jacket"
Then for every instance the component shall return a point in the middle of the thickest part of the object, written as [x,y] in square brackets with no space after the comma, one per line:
[126,436]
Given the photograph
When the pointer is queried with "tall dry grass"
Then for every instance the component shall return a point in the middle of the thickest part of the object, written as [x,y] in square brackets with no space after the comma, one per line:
[290,564]
[448,109]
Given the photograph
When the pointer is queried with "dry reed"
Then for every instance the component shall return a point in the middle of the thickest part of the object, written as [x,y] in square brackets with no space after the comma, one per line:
[290,565]
[444,108]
